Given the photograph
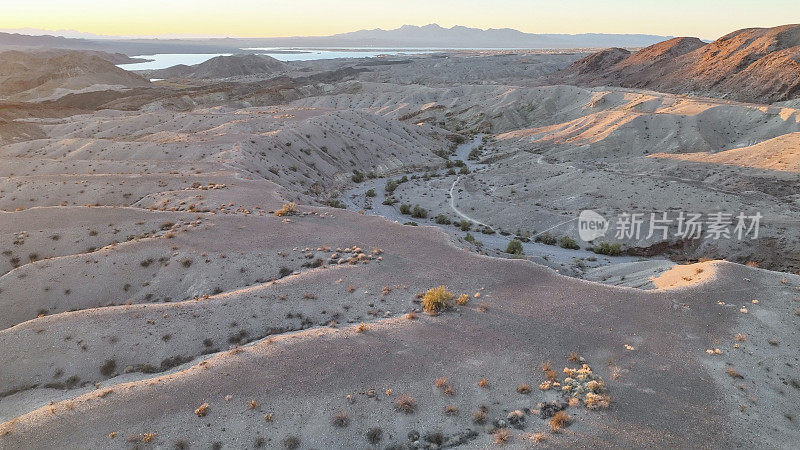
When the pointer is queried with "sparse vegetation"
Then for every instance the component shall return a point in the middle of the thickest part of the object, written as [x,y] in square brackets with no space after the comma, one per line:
[437,299]
[514,247]
[502,436]
[606,248]
[374,435]
[202,410]
[559,421]
[340,419]
[568,243]
[288,209]
[405,404]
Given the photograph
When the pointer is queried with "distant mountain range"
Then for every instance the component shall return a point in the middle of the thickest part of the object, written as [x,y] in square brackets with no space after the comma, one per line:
[407,36]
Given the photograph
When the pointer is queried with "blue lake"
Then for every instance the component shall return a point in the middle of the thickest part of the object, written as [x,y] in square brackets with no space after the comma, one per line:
[164,60]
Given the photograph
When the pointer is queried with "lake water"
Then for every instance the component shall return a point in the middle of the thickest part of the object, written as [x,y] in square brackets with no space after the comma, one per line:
[164,60]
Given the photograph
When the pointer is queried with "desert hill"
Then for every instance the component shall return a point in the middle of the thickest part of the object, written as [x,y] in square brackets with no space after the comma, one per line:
[224,67]
[26,76]
[753,64]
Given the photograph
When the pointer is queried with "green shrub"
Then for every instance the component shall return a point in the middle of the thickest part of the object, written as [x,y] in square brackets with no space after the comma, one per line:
[466,225]
[441,219]
[405,208]
[370,193]
[606,248]
[514,247]
[464,170]
[547,239]
[357,177]
[569,243]
[418,212]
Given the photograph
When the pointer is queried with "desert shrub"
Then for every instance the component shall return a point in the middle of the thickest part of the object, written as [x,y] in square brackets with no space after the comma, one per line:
[464,170]
[336,203]
[469,238]
[568,243]
[413,224]
[474,154]
[108,367]
[606,248]
[524,388]
[547,239]
[391,185]
[340,419]
[437,299]
[483,382]
[291,442]
[288,209]
[405,404]
[560,420]
[441,219]
[466,225]
[389,201]
[374,435]
[501,436]
[357,177]
[514,247]
[463,299]
[405,209]
[419,212]
[284,272]
[370,193]
[202,410]
[479,416]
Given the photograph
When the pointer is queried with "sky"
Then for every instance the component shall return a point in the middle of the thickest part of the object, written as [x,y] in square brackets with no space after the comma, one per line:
[707,19]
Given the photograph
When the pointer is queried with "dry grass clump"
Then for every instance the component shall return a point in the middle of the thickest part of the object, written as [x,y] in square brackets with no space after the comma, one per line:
[441,382]
[340,419]
[483,307]
[405,404]
[733,373]
[548,371]
[289,209]
[559,421]
[741,337]
[502,436]
[483,382]
[597,401]
[253,405]
[437,299]
[479,416]
[411,315]
[524,388]
[463,299]
[202,410]
[538,437]
[451,410]
[362,327]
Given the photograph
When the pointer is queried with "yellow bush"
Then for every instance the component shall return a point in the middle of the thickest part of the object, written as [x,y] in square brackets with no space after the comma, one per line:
[288,209]
[437,299]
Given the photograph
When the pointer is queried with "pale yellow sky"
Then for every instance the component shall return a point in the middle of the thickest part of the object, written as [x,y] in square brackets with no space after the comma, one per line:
[265,18]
